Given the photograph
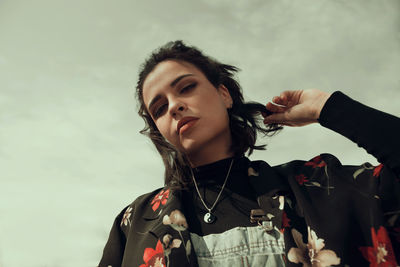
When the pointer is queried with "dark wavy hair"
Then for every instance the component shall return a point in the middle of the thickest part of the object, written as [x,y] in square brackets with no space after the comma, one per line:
[244,117]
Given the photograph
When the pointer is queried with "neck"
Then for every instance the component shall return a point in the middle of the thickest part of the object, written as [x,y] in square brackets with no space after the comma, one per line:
[215,150]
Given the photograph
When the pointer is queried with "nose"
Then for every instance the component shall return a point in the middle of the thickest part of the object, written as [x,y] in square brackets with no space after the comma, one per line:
[177,107]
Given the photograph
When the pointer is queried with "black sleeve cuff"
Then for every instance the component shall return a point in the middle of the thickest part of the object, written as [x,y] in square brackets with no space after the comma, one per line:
[335,108]
[376,131]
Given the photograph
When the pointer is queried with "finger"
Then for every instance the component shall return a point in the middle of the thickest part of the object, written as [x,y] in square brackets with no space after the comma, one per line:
[276,118]
[276,108]
[281,100]
[285,97]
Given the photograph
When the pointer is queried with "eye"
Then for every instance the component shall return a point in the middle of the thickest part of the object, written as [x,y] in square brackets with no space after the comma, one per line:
[188,88]
[159,111]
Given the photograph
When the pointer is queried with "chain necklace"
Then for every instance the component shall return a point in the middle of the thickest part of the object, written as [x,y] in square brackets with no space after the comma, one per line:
[209,217]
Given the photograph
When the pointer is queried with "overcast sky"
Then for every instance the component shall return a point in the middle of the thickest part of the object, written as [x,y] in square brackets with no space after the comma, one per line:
[70,152]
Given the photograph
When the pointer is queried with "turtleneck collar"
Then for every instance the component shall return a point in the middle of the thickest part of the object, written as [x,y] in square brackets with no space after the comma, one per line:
[216,172]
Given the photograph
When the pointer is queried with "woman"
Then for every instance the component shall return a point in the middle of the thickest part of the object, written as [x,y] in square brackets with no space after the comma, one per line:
[218,208]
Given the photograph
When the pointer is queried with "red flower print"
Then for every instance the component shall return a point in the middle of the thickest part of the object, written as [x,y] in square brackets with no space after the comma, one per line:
[160,198]
[316,162]
[381,254]
[377,170]
[301,179]
[285,221]
[154,258]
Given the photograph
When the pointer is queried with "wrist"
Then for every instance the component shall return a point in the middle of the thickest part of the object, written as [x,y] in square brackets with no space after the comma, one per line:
[320,103]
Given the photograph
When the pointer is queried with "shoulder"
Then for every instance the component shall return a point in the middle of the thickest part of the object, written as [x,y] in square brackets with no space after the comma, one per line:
[153,198]
[296,166]
[148,203]
[316,161]
[318,165]
[324,161]
[325,171]
[322,166]
[144,208]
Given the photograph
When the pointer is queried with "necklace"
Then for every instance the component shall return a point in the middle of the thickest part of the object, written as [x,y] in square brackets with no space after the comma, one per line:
[209,217]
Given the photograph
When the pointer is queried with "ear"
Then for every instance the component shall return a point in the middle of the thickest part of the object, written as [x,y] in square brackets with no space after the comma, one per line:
[225,95]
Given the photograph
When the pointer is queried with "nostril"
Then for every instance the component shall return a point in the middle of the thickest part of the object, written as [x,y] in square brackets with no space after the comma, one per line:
[180,108]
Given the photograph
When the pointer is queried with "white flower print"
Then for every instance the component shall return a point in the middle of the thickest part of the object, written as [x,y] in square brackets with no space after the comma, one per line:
[177,220]
[125,219]
[252,172]
[169,243]
[281,202]
[311,254]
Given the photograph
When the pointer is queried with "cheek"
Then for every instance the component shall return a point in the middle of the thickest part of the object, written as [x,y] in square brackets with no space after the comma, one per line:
[216,119]
[166,131]
[217,111]
[162,128]
[222,119]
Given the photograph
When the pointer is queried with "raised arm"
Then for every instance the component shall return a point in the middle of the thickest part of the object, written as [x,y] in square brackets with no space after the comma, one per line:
[376,131]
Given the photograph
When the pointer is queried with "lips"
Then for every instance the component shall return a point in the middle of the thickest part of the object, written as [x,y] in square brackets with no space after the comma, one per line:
[188,121]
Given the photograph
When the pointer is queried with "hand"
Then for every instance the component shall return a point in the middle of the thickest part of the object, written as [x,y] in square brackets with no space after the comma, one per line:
[296,108]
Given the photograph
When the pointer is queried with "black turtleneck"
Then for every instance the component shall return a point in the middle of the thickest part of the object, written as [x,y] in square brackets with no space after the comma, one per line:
[234,205]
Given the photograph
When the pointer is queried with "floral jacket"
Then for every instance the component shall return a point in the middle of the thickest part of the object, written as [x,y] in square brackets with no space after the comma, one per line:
[328,213]
[333,215]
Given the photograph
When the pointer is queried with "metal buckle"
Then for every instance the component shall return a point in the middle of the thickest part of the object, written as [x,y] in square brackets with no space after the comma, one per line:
[261,219]
[258,216]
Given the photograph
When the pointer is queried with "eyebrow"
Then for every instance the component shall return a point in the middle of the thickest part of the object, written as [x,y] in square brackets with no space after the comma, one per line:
[172,84]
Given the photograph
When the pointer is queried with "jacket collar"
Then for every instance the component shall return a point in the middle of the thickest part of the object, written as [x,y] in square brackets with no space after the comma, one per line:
[265,179]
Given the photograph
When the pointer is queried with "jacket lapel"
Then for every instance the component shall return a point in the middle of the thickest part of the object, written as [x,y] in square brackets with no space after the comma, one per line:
[172,231]
[270,189]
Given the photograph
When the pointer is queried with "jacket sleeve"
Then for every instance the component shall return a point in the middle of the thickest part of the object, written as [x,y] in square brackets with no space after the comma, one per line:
[376,131]
[115,246]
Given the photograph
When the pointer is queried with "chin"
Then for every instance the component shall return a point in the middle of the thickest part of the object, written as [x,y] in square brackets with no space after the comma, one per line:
[190,146]
[201,140]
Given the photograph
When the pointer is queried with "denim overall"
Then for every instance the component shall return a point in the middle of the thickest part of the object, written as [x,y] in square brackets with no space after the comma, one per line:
[241,246]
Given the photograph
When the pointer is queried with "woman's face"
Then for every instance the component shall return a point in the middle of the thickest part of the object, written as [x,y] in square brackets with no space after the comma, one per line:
[187,109]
